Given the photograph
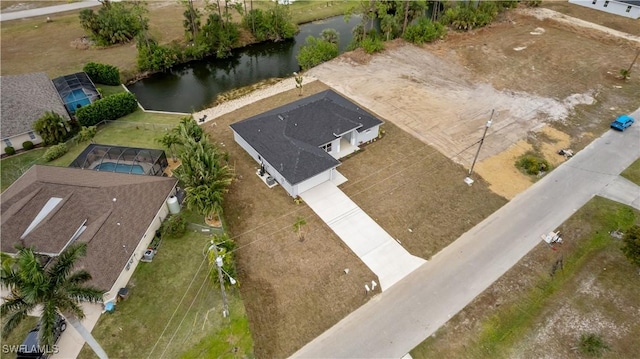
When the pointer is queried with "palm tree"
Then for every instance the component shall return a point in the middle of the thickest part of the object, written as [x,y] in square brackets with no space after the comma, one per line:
[205,176]
[52,128]
[169,140]
[51,286]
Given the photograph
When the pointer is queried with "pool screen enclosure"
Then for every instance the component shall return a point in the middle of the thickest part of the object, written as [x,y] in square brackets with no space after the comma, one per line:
[76,90]
[141,161]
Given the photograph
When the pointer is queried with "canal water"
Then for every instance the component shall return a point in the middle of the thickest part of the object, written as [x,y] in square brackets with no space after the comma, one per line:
[193,86]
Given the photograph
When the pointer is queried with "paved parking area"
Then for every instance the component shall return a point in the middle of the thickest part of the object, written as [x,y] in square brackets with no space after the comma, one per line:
[370,242]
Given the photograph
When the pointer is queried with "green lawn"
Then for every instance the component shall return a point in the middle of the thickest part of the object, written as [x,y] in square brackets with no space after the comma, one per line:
[174,310]
[509,329]
[632,173]
[107,90]
[12,167]
[17,335]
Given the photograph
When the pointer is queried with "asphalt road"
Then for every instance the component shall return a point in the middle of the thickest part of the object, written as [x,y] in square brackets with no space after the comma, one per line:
[48,10]
[397,320]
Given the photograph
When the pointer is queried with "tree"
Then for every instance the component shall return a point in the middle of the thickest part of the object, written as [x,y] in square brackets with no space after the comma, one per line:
[114,23]
[626,73]
[52,286]
[205,177]
[330,35]
[298,78]
[87,133]
[316,51]
[169,140]
[52,128]
[631,245]
[191,20]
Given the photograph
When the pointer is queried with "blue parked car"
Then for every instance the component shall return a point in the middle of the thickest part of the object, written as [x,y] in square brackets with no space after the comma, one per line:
[622,122]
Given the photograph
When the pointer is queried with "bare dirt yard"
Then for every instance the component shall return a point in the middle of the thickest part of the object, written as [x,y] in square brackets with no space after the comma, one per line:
[533,73]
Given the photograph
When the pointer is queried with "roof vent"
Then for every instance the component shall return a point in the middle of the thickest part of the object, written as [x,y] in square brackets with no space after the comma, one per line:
[281,118]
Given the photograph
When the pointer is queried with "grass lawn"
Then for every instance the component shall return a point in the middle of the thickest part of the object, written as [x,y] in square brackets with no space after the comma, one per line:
[18,334]
[551,297]
[174,310]
[13,167]
[632,173]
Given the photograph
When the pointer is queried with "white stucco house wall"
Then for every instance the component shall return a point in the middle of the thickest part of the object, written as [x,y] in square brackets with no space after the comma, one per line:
[24,99]
[626,8]
[300,144]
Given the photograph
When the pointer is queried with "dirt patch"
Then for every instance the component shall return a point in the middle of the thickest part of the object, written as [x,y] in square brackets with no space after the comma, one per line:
[555,140]
[500,171]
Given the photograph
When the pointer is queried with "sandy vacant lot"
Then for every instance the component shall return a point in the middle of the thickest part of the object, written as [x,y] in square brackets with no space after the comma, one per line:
[532,72]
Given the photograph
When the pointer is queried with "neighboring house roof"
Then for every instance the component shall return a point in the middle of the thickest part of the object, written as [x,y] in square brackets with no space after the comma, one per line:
[25,98]
[47,205]
[289,137]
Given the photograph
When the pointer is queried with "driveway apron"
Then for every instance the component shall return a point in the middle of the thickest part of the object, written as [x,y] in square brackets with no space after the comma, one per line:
[375,247]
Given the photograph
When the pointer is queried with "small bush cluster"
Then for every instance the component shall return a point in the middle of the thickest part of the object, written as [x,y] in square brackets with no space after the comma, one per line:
[174,226]
[10,151]
[115,23]
[372,44]
[273,24]
[102,73]
[27,145]
[532,164]
[107,109]
[55,151]
[466,16]
[423,31]
[592,344]
[316,51]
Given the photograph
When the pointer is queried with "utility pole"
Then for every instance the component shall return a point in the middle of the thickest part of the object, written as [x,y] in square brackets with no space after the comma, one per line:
[225,305]
[468,179]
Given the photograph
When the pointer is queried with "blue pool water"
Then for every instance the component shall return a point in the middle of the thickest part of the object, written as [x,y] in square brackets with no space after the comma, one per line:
[120,168]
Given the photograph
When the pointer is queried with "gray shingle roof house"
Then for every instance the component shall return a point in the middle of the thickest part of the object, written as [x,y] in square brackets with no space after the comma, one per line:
[116,214]
[626,8]
[299,144]
[24,99]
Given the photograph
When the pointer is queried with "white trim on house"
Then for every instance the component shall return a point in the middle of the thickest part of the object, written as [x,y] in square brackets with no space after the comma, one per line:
[611,6]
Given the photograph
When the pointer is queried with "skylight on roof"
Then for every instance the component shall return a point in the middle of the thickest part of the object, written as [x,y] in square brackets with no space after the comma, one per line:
[46,209]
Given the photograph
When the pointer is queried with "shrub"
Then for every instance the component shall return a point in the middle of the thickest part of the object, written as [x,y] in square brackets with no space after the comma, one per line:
[316,51]
[532,164]
[371,45]
[10,151]
[423,31]
[86,133]
[274,24]
[154,57]
[27,145]
[107,109]
[466,16]
[102,73]
[174,226]
[55,151]
[592,344]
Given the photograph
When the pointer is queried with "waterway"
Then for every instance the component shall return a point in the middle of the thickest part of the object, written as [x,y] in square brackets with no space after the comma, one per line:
[193,86]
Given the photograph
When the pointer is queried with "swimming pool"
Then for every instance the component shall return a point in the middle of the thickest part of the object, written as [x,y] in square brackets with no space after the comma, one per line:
[120,168]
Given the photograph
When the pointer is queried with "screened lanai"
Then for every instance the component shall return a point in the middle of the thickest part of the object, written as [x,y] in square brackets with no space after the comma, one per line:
[140,161]
[76,90]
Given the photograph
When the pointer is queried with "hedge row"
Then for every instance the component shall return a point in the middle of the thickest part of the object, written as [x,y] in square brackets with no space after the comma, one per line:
[55,151]
[102,73]
[107,109]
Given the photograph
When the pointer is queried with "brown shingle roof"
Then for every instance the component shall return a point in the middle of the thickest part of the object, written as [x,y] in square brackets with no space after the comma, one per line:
[24,99]
[86,195]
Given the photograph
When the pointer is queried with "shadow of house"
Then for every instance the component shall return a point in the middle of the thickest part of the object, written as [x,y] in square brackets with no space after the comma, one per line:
[299,144]
[24,99]
[116,214]
[76,90]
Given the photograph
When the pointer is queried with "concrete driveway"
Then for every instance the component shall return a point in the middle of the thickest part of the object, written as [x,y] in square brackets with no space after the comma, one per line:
[375,247]
[624,191]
